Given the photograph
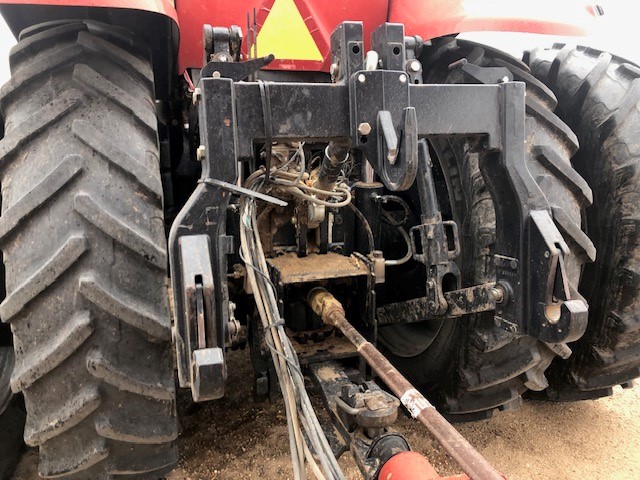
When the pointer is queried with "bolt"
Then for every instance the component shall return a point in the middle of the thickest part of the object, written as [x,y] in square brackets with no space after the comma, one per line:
[216,74]
[547,254]
[223,58]
[333,70]
[197,93]
[362,78]
[201,153]
[364,128]
[505,79]
[414,66]
[496,294]
[403,78]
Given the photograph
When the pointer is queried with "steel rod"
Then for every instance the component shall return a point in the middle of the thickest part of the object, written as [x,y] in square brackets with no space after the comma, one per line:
[472,462]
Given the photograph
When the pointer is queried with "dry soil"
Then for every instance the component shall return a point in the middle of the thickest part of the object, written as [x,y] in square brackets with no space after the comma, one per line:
[235,438]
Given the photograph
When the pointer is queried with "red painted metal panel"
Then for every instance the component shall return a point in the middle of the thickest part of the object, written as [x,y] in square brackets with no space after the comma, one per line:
[321,16]
[435,18]
[427,18]
[163,7]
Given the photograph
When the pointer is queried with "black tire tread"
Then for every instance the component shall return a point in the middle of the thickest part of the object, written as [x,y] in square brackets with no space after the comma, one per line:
[497,367]
[83,242]
[599,97]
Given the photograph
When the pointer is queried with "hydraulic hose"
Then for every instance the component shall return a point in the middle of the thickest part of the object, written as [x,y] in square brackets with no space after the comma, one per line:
[336,156]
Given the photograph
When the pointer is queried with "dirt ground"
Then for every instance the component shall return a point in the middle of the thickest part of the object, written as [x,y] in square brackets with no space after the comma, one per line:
[237,439]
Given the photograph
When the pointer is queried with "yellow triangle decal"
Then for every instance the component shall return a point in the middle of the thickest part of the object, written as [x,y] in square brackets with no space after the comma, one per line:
[286,35]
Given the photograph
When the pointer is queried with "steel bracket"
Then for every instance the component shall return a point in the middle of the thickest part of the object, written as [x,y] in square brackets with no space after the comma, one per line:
[232,122]
[433,239]
[235,70]
[199,338]
[221,44]
[380,98]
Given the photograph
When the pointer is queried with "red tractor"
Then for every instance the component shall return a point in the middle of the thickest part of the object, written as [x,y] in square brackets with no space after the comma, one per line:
[258,182]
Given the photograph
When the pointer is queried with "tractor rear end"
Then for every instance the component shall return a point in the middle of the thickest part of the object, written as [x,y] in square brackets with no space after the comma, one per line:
[393,222]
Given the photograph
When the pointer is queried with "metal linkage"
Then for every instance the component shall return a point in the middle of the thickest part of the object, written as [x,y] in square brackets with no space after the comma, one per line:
[201,341]
[361,413]
[385,117]
[475,465]
[476,299]
[434,241]
[221,44]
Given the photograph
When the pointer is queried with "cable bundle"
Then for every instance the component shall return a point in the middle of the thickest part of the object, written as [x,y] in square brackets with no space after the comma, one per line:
[312,444]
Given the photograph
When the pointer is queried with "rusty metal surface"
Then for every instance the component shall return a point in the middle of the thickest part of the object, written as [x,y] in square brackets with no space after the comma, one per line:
[460,302]
[331,348]
[471,461]
[314,267]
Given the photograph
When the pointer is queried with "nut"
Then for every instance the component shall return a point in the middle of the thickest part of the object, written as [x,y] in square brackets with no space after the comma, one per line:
[496,294]
[364,128]
[414,66]
[201,153]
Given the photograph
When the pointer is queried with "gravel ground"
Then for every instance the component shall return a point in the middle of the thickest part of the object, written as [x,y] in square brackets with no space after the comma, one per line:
[236,439]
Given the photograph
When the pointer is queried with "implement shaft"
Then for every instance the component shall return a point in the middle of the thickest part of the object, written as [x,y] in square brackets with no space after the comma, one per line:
[473,464]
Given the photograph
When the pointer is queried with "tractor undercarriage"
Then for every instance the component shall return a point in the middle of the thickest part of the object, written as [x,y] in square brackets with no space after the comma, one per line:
[297,180]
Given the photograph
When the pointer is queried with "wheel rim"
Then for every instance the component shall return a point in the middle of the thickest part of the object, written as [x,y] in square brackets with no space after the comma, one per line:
[410,340]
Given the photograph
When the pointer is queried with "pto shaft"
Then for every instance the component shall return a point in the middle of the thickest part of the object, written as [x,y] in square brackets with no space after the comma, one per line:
[475,465]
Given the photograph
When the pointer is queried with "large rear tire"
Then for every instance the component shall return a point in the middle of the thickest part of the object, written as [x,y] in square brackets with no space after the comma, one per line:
[599,97]
[11,414]
[489,368]
[82,234]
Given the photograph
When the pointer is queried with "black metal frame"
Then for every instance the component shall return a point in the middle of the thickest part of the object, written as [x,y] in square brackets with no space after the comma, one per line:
[236,117]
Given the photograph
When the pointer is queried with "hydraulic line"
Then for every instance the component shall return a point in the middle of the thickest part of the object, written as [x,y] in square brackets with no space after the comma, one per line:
[475,465]
[336,156]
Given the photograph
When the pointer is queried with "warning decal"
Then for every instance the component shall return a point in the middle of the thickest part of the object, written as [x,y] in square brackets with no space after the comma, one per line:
[285,34]
[415,402]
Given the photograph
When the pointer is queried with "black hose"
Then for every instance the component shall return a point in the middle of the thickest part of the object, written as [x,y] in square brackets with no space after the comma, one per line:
[365,224]
[336,155]
[387,217]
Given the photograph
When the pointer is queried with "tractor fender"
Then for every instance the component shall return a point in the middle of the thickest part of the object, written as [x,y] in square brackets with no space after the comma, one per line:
[155,21]
[436,18]
[163,7]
